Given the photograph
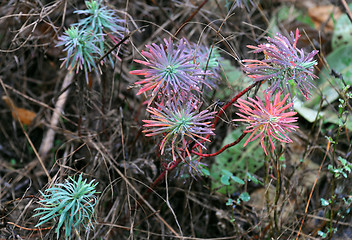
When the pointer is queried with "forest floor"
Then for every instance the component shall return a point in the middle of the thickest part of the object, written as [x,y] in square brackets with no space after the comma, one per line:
[56,123]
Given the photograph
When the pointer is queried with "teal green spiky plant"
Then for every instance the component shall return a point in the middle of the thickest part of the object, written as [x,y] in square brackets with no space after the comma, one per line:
[104,23]
[71,202]
[81,49]
[87,41]
[100,19]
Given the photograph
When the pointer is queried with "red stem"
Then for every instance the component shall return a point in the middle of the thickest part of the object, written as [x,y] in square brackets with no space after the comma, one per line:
[222,149]
[161,177]
[222,110]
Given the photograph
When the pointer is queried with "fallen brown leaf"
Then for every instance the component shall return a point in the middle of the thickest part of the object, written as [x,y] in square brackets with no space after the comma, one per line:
[20,114]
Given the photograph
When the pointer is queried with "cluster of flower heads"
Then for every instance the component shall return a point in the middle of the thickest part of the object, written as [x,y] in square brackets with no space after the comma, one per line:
[177,73]
[173,81]
[286,67]
[86,41]
[268,120]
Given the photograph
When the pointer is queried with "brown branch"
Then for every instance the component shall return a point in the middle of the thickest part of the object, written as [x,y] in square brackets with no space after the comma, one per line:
[20,198]
[347,9]
[311,192]
[29,229]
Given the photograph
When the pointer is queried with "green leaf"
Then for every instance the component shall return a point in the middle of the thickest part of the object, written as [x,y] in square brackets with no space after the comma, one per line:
[245,197]
[287,14]
[307,113]
[13,161]
[226,173]
[229,202]
[225,180]
[234,78]
[341,61]
[342,34]
[342,160]
[205,171]
[236,161]
[324,202]
[322,234]
[253,179]
[237,180]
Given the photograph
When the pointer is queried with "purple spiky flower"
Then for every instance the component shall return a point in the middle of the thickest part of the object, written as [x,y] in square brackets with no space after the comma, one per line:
[179,121]
[171,69]
[269,119]
[285,66]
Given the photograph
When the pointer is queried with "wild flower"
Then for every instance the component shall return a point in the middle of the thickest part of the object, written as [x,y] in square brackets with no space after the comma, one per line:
[81,49]
[171,70]
[71,202]
[285,66]
[179,121]
[268,120]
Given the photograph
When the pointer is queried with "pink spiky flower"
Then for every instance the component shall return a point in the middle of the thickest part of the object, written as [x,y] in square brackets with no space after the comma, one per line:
[171,69]
[179,121]
[285,66]
[267,120]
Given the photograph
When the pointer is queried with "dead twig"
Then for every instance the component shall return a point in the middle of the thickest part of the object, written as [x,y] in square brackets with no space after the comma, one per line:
[48,139]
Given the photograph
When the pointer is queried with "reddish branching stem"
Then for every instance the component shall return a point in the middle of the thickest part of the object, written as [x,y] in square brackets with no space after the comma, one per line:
[222,110]
[222,149]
